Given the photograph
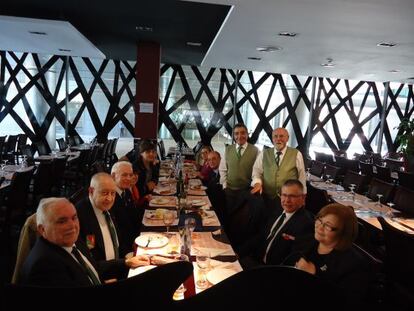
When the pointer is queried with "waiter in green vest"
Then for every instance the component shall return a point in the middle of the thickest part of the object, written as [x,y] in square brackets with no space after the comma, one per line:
[236,169]
[274,166]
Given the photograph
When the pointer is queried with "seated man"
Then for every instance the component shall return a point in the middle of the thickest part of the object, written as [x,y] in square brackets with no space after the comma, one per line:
[98,228]
[274,243]
[58,258]
[213,176]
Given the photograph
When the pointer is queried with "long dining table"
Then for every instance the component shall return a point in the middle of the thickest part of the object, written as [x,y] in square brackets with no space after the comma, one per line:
[207,238]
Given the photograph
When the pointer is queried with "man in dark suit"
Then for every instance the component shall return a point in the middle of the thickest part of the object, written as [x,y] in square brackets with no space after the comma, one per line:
[127,214]
[274,243]
[213,160]
[57,258]
[98,228]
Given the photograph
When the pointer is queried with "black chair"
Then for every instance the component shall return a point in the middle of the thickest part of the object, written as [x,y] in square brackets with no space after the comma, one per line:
[62,144]
[332,172]
[315,199]
[42,181]
[78,140]
[264,288]
[404,200]
[42,148]
[317,168]
[324,158]
[357,179]
[399,250]
[406,179]
[383,173]
[156,287]
[378,186]
[161,149]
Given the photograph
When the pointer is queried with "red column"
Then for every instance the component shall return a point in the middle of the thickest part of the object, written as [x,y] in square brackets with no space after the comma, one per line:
[147,97]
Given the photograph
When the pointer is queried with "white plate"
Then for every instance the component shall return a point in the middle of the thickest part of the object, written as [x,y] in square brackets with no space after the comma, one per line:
[198,187]
[217,275]
[198,202]
[164,191]
[160,201]
[154,215]
[153,240]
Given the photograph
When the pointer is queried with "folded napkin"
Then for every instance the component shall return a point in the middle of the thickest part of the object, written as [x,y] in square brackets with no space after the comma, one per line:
[213,252]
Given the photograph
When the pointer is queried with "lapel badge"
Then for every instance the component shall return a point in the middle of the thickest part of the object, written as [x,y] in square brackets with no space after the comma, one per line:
[90,241]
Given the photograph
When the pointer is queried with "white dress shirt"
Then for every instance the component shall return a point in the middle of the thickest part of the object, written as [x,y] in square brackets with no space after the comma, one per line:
[223,165]
[257,173]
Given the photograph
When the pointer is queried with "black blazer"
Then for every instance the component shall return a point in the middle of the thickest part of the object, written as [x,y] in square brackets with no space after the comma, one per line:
[300,224]
[50,265]
[89,226]
[139,167]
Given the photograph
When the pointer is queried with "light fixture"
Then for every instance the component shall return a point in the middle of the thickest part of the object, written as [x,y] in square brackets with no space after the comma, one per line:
[65,50]
[268,48]
[38,33]
[387,44]
[329,63]
[254,58]
[287,34]
[393,71]
[190,43]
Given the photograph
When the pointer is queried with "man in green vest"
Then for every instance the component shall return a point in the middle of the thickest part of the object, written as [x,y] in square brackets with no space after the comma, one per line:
[274,166]
[236,169]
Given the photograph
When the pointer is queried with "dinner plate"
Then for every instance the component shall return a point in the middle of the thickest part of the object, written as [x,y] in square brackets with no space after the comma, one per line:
[154,215]
[164,191]
[160,201]
[217,275]
[153,240]
[198,202]
[198,187]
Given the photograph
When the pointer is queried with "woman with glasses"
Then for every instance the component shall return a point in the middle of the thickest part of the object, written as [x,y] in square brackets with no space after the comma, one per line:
[330,254]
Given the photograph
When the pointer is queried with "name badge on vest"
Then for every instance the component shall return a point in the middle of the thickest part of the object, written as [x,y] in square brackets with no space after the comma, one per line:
[90,241]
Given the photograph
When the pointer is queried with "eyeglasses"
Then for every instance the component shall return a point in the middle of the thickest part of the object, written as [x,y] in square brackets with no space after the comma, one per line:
[326,226]
[290,196]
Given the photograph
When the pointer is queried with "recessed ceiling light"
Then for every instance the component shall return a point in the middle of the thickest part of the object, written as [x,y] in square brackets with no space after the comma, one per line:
[144,28]
[287,34]
[268,48]
[189,43]
[329,63]
[387,44]
[65,50]
[254,58]
[39,33]
[393,71]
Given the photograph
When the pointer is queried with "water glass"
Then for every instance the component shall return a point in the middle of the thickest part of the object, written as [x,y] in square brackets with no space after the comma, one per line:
[203,263]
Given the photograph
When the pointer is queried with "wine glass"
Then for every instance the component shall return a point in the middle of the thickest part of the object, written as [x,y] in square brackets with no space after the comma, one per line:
[168,219]
[379,196]
[352,191]
[328,178]
[390,213]
[308,175]
[203,263]
[190,222]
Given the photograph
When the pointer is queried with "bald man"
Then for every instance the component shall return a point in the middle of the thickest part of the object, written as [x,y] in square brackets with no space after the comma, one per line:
[274,166]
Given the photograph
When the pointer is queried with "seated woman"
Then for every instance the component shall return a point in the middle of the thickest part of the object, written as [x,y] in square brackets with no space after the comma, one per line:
[330,253]
[202,162]
[147,167]
[139,200]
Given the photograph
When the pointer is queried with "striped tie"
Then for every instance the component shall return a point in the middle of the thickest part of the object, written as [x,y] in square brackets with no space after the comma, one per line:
[112,231]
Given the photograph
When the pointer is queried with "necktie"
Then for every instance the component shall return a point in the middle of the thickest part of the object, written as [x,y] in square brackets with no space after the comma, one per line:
[272,234]
[112,231]
[277,159]
[85,267]
[239,149]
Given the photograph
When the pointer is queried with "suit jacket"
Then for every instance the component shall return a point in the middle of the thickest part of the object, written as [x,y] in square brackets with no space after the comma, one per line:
[300,224]
[91,234]
[128,217]
[50,265]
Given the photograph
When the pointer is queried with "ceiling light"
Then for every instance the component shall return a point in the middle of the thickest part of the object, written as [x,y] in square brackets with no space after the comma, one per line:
[268,48]
[189,43]
[144,28]
[387,44]
[254,58]
[39,33]
[65,50]
[287,34]
[394,71]
[329,63]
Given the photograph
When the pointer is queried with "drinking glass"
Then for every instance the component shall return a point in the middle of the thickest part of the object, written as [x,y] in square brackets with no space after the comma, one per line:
[308,174]
[203,263]
[379,195]
[352,191]
[328,178]
[168,219]
[390,213]
[190,222]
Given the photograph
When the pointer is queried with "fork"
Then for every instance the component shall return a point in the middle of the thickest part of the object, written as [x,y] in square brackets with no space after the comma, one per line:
[148,241]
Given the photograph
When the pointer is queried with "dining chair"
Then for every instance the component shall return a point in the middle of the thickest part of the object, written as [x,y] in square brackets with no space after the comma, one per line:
[315,199]
[380,187]
[317,168]
[358,180]
[404,200]
[406,179]
[399,258]
[331,172]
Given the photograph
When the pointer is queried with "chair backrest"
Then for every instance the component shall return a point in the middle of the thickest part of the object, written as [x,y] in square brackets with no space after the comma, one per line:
[383,173]
[357,179]
[27,239]
[266,288]
[331,171]
[324,157]
[406,179]
[399,251]
[11,143]
[77,139]
[317,168]
[155,287]
[42,148]
[404,200]
[43,179]
[62,144]
[315,199]
[366,168]
[378,186]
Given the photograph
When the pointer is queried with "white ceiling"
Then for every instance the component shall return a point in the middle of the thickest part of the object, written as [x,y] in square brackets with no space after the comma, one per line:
[15,36]
[347,31]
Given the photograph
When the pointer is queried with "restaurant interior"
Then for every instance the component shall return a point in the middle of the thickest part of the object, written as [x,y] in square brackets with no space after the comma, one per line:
[82,83]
